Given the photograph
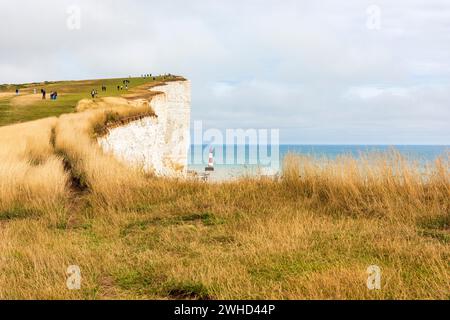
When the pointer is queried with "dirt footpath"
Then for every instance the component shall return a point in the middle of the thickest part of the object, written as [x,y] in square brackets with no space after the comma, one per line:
[6,95]
[25,100]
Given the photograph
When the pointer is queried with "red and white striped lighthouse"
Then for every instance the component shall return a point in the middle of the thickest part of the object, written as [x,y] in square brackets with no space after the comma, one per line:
[210,166]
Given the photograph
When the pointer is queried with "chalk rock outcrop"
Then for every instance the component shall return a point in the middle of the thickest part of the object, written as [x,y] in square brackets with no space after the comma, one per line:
[156,144]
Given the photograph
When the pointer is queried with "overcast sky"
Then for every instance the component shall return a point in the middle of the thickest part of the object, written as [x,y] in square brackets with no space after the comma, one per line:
[346,72]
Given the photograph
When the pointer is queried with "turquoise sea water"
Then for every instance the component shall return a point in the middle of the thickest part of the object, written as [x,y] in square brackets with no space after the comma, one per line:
[231,161]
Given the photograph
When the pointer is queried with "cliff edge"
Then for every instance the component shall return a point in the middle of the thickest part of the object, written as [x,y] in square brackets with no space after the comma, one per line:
[158,144]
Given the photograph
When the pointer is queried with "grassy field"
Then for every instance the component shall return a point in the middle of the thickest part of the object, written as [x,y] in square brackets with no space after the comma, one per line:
[310,235]
[27,106]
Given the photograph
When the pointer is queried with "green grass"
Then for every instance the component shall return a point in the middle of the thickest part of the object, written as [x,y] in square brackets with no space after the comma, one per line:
[437,228]
[69,93]
[17,212]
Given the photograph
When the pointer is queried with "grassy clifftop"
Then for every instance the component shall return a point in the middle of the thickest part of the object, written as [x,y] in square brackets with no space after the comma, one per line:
[28,106]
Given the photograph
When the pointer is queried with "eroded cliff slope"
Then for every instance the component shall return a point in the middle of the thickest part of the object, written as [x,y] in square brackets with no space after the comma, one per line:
[157,144]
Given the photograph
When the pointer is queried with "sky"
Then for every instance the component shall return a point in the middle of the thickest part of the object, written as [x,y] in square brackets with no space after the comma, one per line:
[322,72]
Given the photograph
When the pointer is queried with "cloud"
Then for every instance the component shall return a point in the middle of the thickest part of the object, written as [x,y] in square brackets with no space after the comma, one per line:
[313,70]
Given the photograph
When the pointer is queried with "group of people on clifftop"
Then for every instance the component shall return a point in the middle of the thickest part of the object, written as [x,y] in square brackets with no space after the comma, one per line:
[94,92]
[125,84]
[53,94]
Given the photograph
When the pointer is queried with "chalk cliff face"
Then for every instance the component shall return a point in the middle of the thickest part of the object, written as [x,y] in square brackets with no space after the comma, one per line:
[161,144]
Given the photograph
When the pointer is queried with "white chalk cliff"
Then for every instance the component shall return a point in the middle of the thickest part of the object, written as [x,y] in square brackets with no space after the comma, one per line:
[156,144]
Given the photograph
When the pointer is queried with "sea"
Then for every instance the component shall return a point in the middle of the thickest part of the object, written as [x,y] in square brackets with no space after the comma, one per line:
[246,160]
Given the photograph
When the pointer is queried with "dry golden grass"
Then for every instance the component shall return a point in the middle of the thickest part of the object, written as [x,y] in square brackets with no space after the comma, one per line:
[32,178]
[6,95]
[107,102]
[26,100]
[376,184]
[105,177]
[310,235]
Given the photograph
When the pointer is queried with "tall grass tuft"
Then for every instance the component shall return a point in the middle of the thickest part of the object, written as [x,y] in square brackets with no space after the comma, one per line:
[373,184]
[32,177]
